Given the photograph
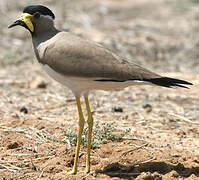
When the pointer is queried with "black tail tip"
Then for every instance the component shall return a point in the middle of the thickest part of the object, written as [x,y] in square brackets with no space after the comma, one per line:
[170,82]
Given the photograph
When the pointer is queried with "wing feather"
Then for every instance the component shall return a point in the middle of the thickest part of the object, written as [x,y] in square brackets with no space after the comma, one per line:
[73,56]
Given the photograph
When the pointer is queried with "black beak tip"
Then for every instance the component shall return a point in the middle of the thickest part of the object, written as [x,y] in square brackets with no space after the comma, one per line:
[10,26]
[18,22]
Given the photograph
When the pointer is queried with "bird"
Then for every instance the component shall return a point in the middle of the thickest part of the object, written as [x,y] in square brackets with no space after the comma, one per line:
[83,66]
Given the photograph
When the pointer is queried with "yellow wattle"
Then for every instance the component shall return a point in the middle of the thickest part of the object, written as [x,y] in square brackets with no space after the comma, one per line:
[25,17]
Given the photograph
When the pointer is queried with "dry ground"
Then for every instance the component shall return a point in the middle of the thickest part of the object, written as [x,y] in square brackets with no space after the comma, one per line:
[163,143]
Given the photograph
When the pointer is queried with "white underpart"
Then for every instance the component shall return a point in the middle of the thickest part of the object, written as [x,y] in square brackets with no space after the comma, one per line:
[81,86]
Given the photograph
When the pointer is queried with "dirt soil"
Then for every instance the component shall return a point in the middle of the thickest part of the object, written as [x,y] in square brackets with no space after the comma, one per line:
[163,142]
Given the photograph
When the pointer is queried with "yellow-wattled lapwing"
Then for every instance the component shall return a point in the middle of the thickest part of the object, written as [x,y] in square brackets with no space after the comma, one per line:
[83,65]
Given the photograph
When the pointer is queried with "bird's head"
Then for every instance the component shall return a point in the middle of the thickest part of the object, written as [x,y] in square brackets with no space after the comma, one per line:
[34,16]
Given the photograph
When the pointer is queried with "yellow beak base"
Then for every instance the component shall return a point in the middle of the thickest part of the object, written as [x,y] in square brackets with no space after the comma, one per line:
[26,18]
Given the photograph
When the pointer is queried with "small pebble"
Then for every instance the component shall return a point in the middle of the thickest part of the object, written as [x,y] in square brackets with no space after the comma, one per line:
[13,145]
[117,109]
[148,107]
[70,100]
[24,110]
[38,83]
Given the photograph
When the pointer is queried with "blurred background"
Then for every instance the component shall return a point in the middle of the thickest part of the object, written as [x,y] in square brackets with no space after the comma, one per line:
[162,35]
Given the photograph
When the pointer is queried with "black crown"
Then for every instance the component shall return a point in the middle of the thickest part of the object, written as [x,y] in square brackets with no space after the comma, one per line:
[38,8]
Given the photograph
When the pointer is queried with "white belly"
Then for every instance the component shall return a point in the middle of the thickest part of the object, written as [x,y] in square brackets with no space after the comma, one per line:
[80,86]
[73,83]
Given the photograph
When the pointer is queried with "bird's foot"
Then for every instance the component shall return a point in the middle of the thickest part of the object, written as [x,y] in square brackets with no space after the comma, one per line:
[73,171]
[87,170]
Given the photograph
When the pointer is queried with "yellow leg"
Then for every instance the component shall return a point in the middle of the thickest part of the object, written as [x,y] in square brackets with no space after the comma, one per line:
[90,129]
[81,127]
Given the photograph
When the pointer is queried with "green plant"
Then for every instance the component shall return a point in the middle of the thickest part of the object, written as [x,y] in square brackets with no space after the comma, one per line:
[185,5]
[195,1]
[101,135]
[11,57]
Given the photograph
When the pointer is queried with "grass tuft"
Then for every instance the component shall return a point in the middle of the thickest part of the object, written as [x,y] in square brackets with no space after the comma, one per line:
[101,135]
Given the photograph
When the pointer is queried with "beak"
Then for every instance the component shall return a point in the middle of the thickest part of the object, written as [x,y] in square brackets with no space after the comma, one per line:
[25,21]
[16,23]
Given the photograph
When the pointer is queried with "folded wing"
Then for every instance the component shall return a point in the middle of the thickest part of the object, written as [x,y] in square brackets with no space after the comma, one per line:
[75,57]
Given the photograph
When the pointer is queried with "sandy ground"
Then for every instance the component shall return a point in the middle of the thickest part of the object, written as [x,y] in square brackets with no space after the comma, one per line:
[163,142]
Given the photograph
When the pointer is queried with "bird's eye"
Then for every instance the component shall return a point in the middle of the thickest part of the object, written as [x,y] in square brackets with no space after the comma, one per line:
[37,15]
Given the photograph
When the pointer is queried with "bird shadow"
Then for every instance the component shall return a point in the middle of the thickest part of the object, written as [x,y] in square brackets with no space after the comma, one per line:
[131,171]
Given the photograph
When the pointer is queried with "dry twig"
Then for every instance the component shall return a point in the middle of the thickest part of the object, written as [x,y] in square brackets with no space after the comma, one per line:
[136,148]
[9,166]
[184,118]
[9,169]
